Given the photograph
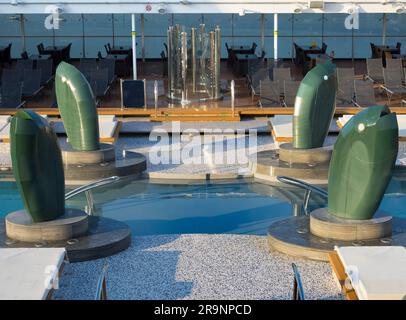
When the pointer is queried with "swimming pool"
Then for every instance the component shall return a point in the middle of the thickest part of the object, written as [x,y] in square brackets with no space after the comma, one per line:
[239,207]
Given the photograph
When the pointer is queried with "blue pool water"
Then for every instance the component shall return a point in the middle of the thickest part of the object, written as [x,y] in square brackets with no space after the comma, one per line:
[239,208]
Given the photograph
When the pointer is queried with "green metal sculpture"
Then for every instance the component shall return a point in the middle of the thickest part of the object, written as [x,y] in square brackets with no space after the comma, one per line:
[314,106]
[37,166]
[362,162]
[77,106]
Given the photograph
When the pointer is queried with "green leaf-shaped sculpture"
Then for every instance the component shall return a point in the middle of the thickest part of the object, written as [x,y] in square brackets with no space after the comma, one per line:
[314,106]
[77,106]
[362,162]
[37,166]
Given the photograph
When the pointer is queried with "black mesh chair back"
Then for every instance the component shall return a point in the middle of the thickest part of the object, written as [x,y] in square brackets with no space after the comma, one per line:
[374,69]
[269,93]
[12,76]
[253,48]
[394,64]
[31,82]
[110,65]
[99,82]
[290,91]
[324,48]
[280,75]
[46,70]
[11,96]
[41,48]
[23,64]
[87,65]
[364,93]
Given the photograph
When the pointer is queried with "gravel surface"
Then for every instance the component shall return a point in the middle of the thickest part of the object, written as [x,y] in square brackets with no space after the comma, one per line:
[198,266]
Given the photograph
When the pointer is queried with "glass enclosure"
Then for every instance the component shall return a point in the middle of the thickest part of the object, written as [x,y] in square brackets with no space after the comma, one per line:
[89,32]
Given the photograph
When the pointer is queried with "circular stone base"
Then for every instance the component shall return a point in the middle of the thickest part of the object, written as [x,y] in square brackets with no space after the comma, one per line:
[267,166]
[292,236]
[133,164]
[323,224]
[305,156]
[19,226]
[106,153]
[104,238]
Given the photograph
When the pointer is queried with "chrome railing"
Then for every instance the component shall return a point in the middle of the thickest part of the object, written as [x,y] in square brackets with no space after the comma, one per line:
[309,188]
[87,190]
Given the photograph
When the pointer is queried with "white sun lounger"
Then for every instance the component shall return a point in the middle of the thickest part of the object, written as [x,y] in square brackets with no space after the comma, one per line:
[29,273]
[5,127]
[282,126]
[109,128]
[375,273]
[401,123]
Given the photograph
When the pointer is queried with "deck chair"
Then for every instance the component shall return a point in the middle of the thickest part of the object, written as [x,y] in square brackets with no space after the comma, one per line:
[23,64]
[374,70]
[110,65]
[41,48]
[11,96]
[133,94]
[24,55]
[32,83]
[6,55]
[12,76]
[298,292]
[46,67]
[364,93]
[289,92]
[87,65]
[269,95]
[279,76]
[99,82]
[394,64]
[345,93]
[254,80]
[393,85]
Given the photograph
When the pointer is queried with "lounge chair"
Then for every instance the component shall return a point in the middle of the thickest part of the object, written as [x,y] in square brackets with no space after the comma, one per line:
[11,76]
[254,80]
[11,96]
[374,70]
[23,64]
[269,94]
[41,49]
[6,55]
[364,93]
[298,292]
[87,65]
[24,55]
[345,90]
[101,289]
[99,82]
[110,65]
[133,93]
[289,92]
[393,84]
[32,83]
[394,64]
[46,67]
[370,273]
[280,75]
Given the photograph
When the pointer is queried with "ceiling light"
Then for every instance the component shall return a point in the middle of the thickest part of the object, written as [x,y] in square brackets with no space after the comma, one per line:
[162,8]
[298,9]
[400,8]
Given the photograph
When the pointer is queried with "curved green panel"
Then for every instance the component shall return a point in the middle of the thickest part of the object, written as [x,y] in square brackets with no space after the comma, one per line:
[77,106]
[362,162]
[37,166]
[314,106]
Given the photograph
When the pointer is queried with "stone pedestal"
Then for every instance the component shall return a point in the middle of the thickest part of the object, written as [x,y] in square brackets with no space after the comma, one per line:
[19,226]
[324,225]
[86,166]
[309,165]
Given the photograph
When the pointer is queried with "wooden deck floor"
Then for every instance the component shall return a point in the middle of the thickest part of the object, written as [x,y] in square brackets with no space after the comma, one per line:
[207,111]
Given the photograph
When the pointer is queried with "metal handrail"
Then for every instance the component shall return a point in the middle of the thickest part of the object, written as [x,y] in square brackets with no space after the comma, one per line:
[303,185]
[87,189]
[90,186]
[306,186]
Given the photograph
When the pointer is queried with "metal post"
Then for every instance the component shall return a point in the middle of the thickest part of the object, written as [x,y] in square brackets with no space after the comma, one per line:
[184,67]
[112,28]
[156,96]
[385,22]
[169,58]
[193,36]
[142,38]
[22,29]
[232,89]
[134,46]
[217,55]
[212,64]
[275,37]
